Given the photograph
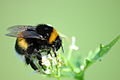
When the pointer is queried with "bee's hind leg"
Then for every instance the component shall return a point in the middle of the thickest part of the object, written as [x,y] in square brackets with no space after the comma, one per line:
[39,57]
[29,61]
[33,65]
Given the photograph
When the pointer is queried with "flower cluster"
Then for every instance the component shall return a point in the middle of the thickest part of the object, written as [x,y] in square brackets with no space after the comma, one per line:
[49,63]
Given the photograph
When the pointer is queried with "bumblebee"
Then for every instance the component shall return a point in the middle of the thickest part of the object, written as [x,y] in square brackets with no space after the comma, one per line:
[35,40]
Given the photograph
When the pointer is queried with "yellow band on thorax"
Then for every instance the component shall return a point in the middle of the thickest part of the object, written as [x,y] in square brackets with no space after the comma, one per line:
[53,36]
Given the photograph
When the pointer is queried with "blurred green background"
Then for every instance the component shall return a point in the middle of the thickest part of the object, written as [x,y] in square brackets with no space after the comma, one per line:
[91,21]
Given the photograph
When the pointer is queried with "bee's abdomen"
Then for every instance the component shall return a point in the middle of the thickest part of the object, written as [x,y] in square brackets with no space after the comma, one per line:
[25,45]
[22,43]
[18,49]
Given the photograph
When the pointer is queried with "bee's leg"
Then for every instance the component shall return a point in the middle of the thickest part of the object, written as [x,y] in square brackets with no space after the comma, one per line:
[40,63]
[55,54]
[27,57]
[27,54]
[49,53]
[29,61]
[62,49]
[39,57]
[33,65]
[54,51]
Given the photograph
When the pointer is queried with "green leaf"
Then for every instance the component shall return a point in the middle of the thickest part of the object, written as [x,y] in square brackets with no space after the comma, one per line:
[100,52]
[80,76]
[104,49]
[93,57]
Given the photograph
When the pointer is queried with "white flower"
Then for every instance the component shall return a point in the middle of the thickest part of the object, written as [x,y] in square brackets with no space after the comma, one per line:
[54,62]
[52,59]
[45,61]
[47,71]
[82,67]
[73,46]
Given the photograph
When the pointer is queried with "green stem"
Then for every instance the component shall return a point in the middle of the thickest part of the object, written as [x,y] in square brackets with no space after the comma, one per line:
[69,54]
[58,72]
[58,69]
[80,75]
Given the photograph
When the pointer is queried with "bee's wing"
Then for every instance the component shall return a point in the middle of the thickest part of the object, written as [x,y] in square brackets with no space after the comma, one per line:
[12,34]
[26,34]
[31,34]
[20,28]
